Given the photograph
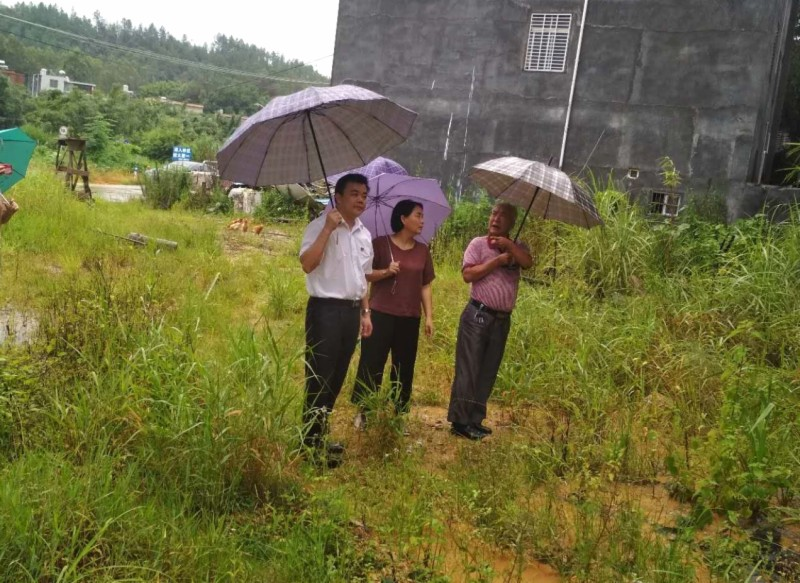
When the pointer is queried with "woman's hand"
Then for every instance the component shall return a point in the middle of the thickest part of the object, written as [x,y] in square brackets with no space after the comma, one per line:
[428,327]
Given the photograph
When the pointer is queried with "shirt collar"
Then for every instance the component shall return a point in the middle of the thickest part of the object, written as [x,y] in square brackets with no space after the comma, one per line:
[357,226]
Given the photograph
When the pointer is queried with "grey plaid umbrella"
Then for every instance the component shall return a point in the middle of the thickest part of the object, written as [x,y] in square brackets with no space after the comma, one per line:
[545,191]
[310,134]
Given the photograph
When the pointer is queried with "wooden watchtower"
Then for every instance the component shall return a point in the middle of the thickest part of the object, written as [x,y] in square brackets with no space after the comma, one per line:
[71,159]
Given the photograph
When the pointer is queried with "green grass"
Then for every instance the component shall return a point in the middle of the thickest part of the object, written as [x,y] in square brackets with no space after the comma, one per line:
[646,414]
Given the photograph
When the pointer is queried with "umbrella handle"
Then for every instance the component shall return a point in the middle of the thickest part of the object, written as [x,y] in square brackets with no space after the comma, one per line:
[519,230]
[319,155]
[527,212]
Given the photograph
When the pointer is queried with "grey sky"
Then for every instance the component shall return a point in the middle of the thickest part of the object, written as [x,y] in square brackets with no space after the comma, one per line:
[299,29]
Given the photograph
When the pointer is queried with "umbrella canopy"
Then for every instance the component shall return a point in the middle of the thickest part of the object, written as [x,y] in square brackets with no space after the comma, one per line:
[545,191]
[386,190]
[16,149]
[378,166]
[306,135]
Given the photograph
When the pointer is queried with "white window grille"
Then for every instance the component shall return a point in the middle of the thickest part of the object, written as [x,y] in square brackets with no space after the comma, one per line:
[665,203]
[548,41]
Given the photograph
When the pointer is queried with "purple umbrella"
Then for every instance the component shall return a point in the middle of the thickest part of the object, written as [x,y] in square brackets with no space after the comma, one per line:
[303,136]
[379,165]
[386,190]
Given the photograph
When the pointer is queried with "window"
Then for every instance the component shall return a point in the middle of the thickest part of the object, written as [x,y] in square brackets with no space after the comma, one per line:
[665,203]
[548,41]
[53,83]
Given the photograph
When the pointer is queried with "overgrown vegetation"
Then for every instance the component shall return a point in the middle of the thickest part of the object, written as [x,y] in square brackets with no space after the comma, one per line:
[646,415]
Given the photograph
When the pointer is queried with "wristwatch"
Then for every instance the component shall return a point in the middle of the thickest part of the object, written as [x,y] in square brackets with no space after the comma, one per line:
[365,311]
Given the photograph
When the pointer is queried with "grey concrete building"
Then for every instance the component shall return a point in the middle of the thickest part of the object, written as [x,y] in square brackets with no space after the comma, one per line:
[606,85]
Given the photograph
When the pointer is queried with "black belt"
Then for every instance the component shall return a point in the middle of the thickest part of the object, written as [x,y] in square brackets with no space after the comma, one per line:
[336,302]
[492,312]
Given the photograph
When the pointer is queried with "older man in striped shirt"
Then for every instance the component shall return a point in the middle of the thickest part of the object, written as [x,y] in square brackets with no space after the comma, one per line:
[492,266]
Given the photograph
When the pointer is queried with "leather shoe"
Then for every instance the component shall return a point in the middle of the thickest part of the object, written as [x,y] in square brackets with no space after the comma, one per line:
[466,431]
[323,457]
[482,428]
[335,448]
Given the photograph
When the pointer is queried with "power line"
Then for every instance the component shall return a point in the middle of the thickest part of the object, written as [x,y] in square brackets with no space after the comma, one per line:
[212,92]
[62,47]
[160,57]
[278,73]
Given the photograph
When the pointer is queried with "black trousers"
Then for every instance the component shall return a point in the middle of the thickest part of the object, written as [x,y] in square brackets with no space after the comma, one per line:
[479,351]
[400,336]
[332,328]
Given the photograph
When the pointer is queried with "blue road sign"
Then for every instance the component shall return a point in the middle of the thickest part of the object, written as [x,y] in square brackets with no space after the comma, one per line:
[181,153]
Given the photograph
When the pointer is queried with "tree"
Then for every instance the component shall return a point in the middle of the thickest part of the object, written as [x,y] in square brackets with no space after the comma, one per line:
[158,142]
[98,134]
[12,103]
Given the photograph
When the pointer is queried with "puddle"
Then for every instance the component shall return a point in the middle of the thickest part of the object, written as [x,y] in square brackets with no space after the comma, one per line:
[463,553]
[17,327]
[507,569]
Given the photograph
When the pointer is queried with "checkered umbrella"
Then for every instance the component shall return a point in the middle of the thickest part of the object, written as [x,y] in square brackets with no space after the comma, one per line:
[304,136]
[545,191]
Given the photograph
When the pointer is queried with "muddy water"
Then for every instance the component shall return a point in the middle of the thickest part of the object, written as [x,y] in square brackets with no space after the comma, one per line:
[461,550]
[17,328]
[506,570]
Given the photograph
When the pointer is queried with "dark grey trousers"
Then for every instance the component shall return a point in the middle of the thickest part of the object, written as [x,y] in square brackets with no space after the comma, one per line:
[479,351]
[332,328]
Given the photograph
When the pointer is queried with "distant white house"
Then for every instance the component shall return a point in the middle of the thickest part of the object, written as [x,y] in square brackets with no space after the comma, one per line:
[47,81]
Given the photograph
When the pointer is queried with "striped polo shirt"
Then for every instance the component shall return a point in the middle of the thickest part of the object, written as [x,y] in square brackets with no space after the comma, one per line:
[498,289]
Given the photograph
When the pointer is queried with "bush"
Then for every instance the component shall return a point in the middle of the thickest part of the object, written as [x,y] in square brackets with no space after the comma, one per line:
[275,204]
[466,221]
[163,188]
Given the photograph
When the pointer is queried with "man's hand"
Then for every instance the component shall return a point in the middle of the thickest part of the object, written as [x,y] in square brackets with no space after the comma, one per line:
[502,243]
[428,327]
[504,258]
[366,325]
[332,220]
[393,269]
[6,169]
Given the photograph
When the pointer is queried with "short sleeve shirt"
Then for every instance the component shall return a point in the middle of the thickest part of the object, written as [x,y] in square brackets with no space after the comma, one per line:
[400,295]
[345,261]
[498,289]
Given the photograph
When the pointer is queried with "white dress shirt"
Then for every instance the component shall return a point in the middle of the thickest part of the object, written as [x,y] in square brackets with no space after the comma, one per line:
[345,262]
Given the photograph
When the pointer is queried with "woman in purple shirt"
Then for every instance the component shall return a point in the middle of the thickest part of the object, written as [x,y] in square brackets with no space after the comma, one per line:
[402,272]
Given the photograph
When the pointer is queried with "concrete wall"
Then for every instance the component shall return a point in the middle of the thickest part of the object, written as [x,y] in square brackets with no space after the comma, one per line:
[689,79]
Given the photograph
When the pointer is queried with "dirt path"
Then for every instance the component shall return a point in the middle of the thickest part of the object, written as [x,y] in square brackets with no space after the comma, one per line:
[116,192]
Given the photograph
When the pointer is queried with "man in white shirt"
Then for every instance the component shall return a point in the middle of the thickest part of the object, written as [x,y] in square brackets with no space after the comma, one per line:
[336,255]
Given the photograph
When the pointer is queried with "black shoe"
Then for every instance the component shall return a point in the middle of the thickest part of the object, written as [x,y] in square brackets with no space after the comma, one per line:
[329,456]
[320,460]
[482,428]
[335,448]
[467,431]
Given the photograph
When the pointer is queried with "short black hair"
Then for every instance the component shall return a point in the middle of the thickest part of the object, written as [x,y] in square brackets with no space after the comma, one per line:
[353,177]
[403,209]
